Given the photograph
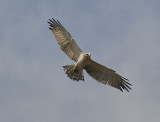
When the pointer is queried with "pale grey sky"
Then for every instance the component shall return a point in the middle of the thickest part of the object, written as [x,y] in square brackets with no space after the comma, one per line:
[121,34]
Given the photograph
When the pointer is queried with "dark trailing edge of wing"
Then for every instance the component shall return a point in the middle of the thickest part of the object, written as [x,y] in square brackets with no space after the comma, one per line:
[53,24]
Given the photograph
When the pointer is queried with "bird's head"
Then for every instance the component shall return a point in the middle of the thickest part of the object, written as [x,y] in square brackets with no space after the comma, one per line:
[88,54]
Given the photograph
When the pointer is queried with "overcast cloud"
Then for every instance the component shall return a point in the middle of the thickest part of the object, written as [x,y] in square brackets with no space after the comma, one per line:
[121,34]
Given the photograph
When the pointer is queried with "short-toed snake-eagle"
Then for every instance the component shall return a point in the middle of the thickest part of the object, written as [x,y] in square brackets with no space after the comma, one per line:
[83,60]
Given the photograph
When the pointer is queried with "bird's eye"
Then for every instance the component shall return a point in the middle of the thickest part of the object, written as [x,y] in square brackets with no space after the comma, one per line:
[88,54]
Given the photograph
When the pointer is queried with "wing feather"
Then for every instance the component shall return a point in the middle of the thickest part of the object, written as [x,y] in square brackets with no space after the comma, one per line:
[107,76]
[65,40]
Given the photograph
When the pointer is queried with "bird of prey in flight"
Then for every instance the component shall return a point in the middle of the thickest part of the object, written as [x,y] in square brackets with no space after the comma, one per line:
[83,60]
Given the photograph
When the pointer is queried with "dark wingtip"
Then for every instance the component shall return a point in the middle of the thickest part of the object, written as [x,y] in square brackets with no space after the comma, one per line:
[50,28]
[54,23]
[120,89]
[127,88]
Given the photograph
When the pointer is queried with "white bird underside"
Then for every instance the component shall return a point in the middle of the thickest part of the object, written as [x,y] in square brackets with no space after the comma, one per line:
[83,61]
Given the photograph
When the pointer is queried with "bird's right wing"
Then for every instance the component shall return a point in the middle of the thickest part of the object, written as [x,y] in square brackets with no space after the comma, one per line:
[106,76]
[65,40]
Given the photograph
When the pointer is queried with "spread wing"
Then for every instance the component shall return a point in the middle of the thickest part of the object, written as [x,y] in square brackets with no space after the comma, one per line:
[65,40]
[107,76]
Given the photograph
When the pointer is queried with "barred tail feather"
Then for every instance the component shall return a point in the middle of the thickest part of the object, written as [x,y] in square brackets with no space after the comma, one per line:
[72,74]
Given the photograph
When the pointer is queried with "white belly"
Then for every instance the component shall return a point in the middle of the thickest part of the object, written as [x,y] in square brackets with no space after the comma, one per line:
[81,63]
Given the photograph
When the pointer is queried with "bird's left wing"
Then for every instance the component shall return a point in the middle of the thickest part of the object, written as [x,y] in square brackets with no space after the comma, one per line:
[65,40]
[107,76]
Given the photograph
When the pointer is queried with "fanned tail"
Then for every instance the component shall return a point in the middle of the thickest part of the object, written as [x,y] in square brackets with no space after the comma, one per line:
[72,74]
